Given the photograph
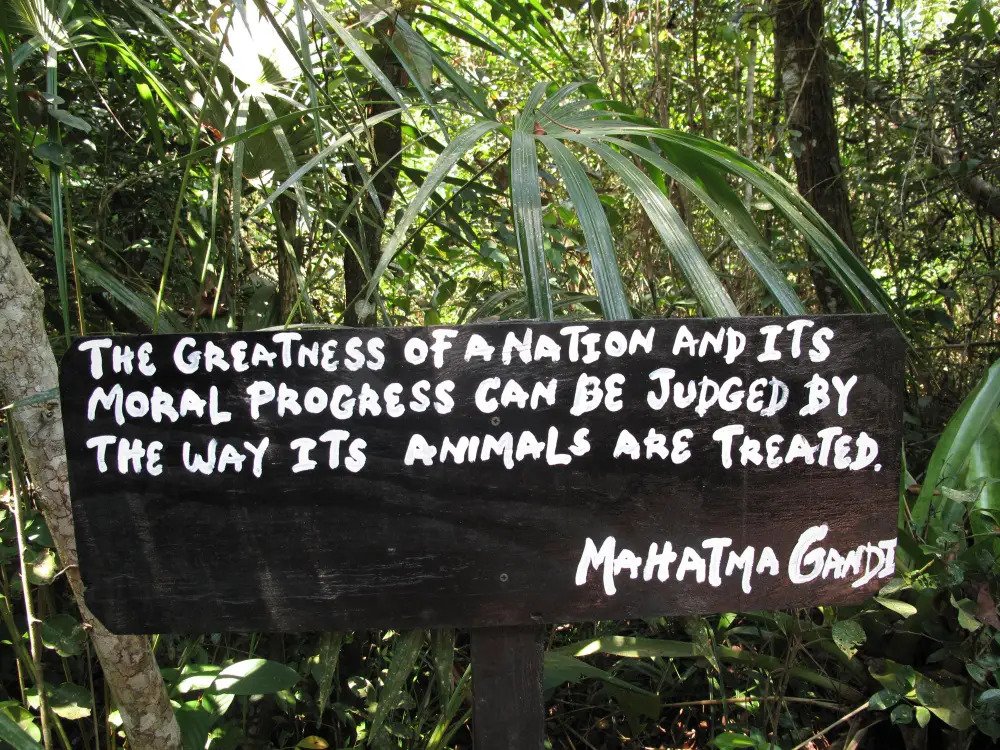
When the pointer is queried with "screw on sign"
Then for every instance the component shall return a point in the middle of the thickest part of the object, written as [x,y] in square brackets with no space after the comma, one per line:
[505,475]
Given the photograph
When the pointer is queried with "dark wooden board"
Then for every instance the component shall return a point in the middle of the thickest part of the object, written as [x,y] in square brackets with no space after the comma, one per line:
[475,544]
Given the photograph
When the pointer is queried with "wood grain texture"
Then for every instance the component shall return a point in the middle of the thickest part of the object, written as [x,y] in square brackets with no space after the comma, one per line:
[475,544]
[508,711]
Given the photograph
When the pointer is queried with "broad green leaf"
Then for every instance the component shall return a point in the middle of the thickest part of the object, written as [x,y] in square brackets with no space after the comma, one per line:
[628,646]
[947,703]
[69,120]
[69,701]
[255,677]
[42,567]
[197,677]
[14,736]
[948,461]
[63,634]
[848,635]
[884,699]
[195,722]
[899,607]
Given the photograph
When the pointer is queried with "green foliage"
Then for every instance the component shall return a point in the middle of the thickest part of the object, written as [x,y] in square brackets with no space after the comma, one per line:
[184,167]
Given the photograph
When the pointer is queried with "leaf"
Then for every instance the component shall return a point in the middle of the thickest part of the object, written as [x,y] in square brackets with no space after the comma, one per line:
[922,715]
[901,714]
[69,701]
[42,567]
[675,235]
[952,451]
[451,155]
[405,654]
[139,302]
[561,668]
[986,608]
[966,610]
[195,723]
[255,677]
[197,677]
[732,740]
[899,607]
[947,703]
[51,152]
[313,743]
[884,699]
[989,696]
[69,120]
[596,230]
[695,172]
[40,20]
[526,204]
[64,634]
[443,656]
[847,636]
[14,736]
[358,51]
[325,668]
[987,23]
[628,646]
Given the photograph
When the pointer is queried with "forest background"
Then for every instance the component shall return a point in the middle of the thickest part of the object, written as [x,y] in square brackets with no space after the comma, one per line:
[188,166]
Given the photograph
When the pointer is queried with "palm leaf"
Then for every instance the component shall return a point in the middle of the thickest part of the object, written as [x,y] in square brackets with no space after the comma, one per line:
[596,230]
[675,235]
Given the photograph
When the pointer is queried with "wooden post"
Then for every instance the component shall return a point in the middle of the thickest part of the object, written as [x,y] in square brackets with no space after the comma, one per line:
[508,713]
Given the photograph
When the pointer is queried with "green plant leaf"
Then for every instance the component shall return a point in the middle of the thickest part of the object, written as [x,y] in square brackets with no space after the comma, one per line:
[847,636]
[14,736]
[884,699]
[902,608]
[697,173]
[405,654]
[42,567]
[63,634]
[255,677]
[948,461]
[451,155]
[325,668]
[69,701]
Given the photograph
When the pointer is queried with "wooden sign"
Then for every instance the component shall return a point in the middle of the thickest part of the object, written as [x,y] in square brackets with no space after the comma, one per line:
[482,476]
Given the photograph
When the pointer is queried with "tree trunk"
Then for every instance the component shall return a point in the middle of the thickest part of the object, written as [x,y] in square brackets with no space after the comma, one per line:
[28,367]
[364,227]
[810,119]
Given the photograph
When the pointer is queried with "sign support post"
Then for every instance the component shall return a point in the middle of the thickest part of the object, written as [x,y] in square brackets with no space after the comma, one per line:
[508,712]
